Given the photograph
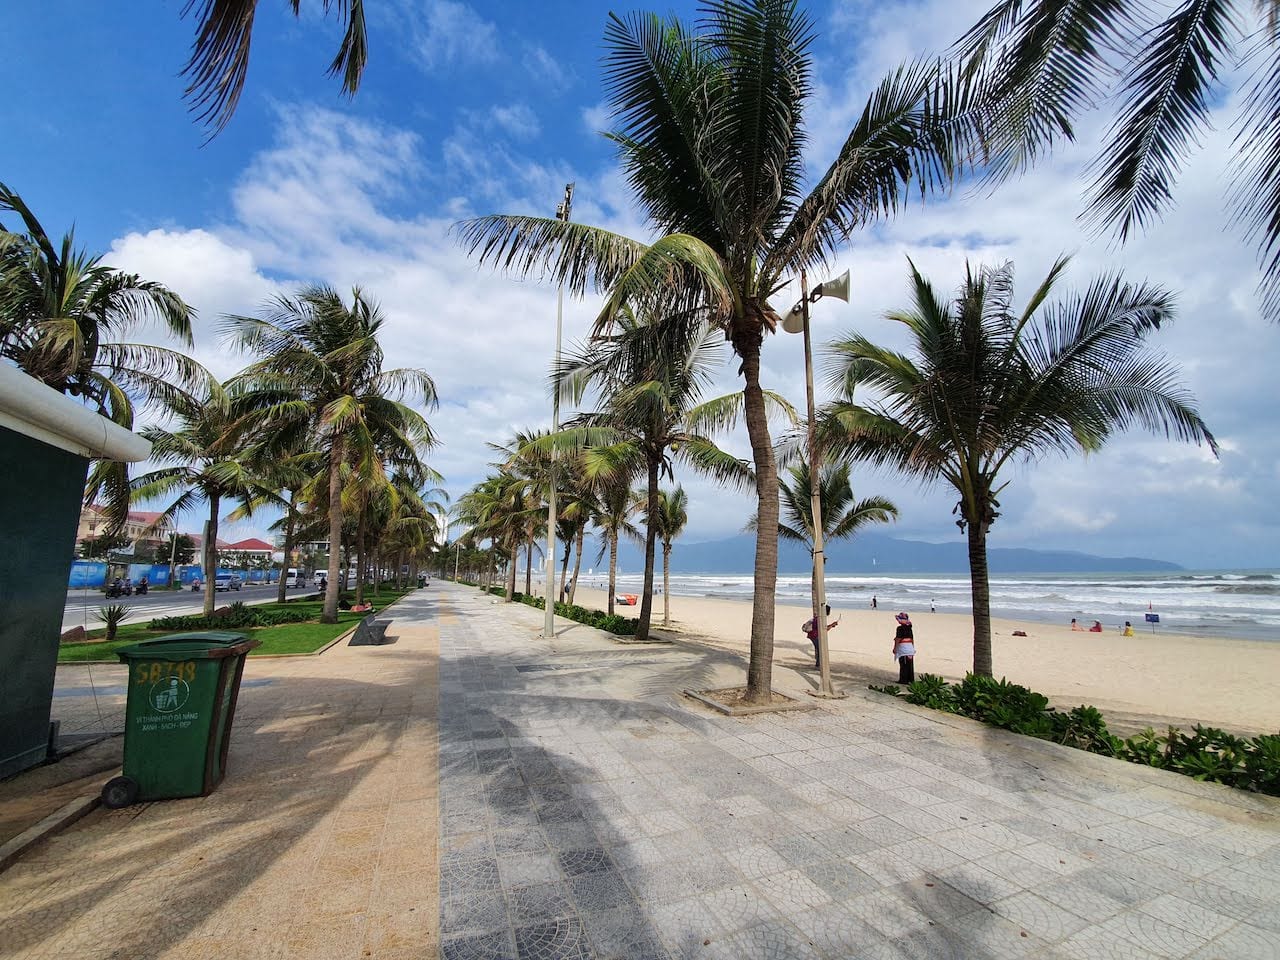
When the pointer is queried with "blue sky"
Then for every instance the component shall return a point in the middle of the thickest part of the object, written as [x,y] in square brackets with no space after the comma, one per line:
[492,107]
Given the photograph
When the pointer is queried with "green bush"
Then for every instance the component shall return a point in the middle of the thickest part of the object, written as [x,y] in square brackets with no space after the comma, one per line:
[239,615]
[1206,753]
[619,626]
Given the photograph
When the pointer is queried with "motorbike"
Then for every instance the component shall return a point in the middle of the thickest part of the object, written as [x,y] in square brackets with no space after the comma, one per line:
[140,589]
[114,590]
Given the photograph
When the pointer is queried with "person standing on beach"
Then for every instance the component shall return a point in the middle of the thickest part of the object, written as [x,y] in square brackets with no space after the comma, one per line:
[904,649]
[873,601]
[810,629]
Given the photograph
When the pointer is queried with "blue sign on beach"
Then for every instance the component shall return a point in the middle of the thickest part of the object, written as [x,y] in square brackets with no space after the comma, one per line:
[1153,618]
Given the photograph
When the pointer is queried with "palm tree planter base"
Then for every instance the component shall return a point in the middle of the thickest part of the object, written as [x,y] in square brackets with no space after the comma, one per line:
[833,695]
[730,701]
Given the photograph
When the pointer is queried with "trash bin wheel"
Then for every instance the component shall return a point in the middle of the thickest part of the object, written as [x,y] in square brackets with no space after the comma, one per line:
[120,792]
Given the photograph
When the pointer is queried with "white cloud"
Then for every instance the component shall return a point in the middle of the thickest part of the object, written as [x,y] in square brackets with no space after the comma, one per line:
[453,33]
[546,71]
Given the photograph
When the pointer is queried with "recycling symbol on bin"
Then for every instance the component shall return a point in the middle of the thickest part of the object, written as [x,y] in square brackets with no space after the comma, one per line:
[169,694]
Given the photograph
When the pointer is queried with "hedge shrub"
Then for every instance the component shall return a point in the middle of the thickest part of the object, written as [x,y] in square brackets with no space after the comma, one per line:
[619,626]
[1207,753]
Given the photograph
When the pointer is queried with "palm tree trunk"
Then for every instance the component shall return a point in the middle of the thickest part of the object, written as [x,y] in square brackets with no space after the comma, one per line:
[511,574]
[666,584]
[528,565]
[981,591]
[283,588]
[211,554]
[330,614]
[613,568]
[650,535]
[564,567]
[361,530]
[760,667]
[577,562]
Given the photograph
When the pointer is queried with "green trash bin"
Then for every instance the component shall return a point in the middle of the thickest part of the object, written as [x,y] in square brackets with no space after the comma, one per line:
[182,700]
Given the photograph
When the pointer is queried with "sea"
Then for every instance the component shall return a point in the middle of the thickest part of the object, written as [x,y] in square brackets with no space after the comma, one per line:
[1242,604]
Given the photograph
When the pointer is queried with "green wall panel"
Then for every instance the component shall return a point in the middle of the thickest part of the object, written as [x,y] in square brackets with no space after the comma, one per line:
[40,491]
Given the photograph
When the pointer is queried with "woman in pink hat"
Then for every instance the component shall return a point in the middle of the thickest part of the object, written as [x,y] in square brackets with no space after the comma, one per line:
[904,650]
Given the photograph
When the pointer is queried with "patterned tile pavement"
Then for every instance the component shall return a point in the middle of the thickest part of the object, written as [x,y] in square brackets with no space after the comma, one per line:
[587,810]
[520,798]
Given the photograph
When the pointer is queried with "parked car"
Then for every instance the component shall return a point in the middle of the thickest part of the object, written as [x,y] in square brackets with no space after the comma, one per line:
[227,582]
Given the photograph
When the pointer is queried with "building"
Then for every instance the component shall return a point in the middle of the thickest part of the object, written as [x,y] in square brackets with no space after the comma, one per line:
[137,529]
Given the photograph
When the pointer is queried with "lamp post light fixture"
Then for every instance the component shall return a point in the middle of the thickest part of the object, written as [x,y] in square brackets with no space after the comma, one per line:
[797,321]
[549,622]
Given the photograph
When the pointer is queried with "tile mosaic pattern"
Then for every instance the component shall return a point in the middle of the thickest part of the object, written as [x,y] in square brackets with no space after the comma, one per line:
[608,818]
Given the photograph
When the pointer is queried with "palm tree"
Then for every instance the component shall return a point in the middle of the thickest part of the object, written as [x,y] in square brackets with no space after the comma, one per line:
[988,386]
[205,461]
[710,129]
[842,517]
[612,518]
[1162,71]
[61,313]
[649,377]
[321,369]
[670,520]
[220,53]
[497,509]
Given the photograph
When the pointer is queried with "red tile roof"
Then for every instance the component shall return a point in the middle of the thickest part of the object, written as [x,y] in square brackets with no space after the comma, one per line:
[253,543]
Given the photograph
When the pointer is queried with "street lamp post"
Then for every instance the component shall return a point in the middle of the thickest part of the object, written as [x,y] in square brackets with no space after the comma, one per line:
[549,619]
[832,288]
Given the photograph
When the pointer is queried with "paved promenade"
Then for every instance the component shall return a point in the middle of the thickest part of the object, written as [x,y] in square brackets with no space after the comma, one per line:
[583,808]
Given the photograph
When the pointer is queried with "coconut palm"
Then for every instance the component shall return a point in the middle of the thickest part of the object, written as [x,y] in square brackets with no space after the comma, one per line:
[204,460]
[497,509]
[220,53]
[842,516]
[320,369]
[62,312]
[1161,68]
[710,129]
[670,520]
[649,378]
[988,386]
[612,517]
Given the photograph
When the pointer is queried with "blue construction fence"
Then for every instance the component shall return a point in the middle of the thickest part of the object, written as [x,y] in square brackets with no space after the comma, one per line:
[92,574]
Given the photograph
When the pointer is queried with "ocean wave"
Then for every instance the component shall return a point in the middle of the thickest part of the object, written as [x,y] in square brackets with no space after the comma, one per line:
[1267,589]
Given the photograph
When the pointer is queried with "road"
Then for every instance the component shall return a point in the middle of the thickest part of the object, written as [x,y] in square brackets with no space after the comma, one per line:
[83,605]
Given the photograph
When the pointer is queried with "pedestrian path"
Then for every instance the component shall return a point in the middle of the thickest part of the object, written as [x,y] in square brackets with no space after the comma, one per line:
[473,790]
[588,811]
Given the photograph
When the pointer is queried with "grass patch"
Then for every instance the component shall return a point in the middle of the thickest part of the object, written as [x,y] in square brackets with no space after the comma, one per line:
[285,638]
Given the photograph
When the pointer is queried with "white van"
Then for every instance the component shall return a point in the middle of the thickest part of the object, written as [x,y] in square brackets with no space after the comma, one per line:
[320,575]
[295,578]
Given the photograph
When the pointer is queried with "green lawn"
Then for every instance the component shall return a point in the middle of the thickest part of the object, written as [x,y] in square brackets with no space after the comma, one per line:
[285,638]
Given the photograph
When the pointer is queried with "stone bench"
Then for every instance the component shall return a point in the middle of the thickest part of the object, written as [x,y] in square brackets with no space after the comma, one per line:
[370,632]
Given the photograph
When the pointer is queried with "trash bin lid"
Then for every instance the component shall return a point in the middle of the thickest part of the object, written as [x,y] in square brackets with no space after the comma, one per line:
[200,645]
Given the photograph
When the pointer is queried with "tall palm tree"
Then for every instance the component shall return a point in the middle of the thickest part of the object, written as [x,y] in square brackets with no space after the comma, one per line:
[497,509]
[1161,68]
[612,518]
[670,520]
[320,368]
[204,460]
[220,53]
[710,129]
[649,377]
[62,312]
[988,386]
[842,516]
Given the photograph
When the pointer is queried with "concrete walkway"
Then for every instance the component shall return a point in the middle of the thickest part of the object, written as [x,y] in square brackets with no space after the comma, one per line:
[586,809]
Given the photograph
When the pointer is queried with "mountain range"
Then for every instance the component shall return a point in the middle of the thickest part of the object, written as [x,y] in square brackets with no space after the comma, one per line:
[877,553]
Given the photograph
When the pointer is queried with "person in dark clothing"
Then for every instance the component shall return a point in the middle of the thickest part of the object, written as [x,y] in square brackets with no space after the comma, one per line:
[810,629]
[904,649]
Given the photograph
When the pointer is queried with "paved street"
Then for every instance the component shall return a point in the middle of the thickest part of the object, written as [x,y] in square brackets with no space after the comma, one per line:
[584,808]
[82,605]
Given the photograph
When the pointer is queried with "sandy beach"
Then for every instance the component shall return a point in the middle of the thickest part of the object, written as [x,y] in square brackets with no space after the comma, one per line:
[1135,681]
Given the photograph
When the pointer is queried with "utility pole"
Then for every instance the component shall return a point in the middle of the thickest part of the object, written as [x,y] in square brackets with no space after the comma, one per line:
[549,620]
